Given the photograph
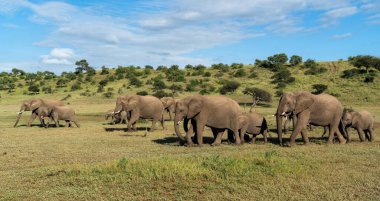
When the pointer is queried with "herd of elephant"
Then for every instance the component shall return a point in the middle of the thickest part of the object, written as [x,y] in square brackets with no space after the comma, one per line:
[221,113]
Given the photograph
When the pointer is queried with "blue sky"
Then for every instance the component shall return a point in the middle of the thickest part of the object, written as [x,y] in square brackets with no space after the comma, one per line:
[40,35]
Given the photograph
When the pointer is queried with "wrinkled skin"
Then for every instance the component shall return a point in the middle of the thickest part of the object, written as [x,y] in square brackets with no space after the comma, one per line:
[362,122]
[252,124]
[217,112]
[33,105]
[145,107]
[117,118]
[291,118]
[57,113]
[318,110]
[169,105]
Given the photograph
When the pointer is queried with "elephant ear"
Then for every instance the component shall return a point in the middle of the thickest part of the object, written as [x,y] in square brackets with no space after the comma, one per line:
[195,107]
[303,102]
[132,104]
[35,104]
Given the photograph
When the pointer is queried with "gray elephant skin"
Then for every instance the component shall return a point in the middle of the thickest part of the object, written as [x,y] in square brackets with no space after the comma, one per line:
[318,110]
[117,118]
[33,105]
[252,124]
[57,113]
[145,107]
[362,122]
[169,105]
[217,112]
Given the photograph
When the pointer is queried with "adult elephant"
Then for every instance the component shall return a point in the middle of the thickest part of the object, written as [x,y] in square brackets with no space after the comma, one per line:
[33,105]
[318,110]
[217,112]
[146,107]
[169,105]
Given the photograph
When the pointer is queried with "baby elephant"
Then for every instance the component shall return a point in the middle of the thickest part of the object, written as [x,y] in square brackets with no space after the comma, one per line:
[361,121]
[57,113]
[253,124]
[116,118]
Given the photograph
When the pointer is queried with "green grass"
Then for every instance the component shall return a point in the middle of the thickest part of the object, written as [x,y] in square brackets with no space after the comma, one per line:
[102,162]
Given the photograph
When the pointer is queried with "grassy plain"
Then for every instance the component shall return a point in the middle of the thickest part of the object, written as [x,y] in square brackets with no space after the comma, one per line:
[103,162]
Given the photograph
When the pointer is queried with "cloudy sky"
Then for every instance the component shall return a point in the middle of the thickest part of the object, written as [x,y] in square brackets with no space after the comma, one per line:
[52,35]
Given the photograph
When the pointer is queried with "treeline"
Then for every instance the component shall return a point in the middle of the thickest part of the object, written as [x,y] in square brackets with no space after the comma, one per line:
[169,81]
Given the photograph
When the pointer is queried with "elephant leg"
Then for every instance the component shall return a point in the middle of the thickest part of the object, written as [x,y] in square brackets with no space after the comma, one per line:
[218,139]
[253,140]
[305,137]
[366,132]
[170,115]
[265,136]
[371,138]
[153,125]
[163,122]
[56,122]
[199,132]
[132,121]
[31,119]
[361,134]
[300,125]
[230,136]
[67,123]
[189,135]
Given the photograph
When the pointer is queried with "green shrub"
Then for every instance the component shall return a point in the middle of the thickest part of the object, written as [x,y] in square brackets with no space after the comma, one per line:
[76,86]
[108,94]
[319,88]
[207,74]
[295,60]
[258,94]
[229,86]
[134,81]
[161,93]
[142,93]
[240,73]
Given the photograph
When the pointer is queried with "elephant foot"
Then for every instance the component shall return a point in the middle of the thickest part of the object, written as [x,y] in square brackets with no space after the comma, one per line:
[306,143]
[215,144]
[291,144]
[343,142]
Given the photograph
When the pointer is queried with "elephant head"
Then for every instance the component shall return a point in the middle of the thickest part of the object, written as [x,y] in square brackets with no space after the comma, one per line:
[186,109]
[44,111]
[28,105]
[291,103]
[119,106]
[130,104]
[167,101]
[347,118]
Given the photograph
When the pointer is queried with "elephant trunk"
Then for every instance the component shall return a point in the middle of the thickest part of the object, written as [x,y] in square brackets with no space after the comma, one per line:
[279,127]
[176,127]
[18,118]
[185,122]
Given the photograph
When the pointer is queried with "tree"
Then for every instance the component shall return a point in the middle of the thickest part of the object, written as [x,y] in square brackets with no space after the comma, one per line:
[310,63]
[105,71]
[17,72]
[34,89]
[82,65]
[365,61]
[258,94]
[240,73]
[61,82]
[229,86]
[149,67]
[278,59]
[319,88]
[295,60]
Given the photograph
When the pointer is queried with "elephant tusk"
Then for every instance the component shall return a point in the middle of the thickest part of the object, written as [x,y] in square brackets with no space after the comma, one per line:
[20,112]
[179,122]
[283,114]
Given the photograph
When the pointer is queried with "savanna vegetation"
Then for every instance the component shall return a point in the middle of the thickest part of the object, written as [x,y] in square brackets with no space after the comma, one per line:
[100,161]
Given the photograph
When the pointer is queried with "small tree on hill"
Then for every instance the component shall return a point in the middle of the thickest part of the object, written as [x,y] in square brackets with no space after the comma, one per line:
[319,88]
[295,60]
[229,86]
[365,61]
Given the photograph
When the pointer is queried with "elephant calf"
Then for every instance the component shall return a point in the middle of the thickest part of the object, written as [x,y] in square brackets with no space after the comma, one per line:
[253,124]
[361,121]
[57,113]
[117,118]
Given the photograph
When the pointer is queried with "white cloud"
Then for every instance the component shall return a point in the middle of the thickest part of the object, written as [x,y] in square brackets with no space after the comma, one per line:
[59,56]
[342,36]
[177,28]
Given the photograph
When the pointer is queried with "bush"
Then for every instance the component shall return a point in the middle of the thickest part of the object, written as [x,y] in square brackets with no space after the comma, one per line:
[108,94]
[204,91]
[76,86]
[142,93]
[158,84]
[310,63]
[319,88]
[253,75]
[221,67]
[105,71]
[161,93]
[34,89]
[207,74]
[47,90]
[86,93]
[350,73]
[369,79]
[134,81]
[237,65]
[278,59]
[229,86]
[295,60]
[258,94]
[175,87]
[240,73]
[315,71]
[365,61]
